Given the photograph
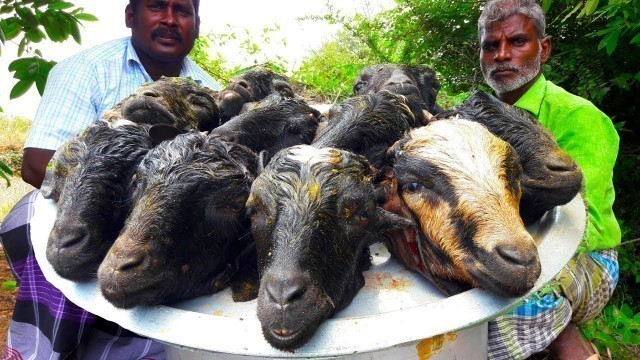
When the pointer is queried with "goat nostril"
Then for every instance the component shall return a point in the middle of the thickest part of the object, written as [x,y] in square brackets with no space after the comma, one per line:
[243,83]
[513,254]
[73,236]
[150,93]
[286,291]
[131,263]
[560,166]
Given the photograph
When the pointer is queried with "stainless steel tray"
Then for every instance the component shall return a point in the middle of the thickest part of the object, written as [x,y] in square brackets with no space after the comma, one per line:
[396,306]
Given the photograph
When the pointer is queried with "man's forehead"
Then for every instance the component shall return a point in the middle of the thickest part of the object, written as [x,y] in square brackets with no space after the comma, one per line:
[514,25]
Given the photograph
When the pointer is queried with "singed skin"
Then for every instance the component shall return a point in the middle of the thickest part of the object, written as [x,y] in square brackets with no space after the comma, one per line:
[187,226]
[417,83]
[550,176]
[253,85]
[461,185]
[313,215]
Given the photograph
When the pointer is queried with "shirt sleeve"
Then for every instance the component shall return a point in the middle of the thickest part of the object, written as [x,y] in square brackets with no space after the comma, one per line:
[588,135]
[67,105]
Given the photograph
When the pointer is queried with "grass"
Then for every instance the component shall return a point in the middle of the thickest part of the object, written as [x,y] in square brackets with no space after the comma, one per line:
[13,133]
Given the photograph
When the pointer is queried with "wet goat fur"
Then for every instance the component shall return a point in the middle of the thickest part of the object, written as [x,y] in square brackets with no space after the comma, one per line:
[461,185]
[176,101]
[188,224]
[275,123]
[253,85]
[367,125]
[551,177]
[313,215]
[89,178]
[418,83]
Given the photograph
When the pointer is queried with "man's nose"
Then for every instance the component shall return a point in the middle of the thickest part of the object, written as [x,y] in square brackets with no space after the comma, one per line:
[504,52]
[169,17]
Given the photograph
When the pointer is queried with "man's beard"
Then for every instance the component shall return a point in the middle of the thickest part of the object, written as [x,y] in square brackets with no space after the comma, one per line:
[524,74]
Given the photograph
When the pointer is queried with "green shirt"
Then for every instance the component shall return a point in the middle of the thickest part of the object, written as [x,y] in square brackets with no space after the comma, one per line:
[588,135]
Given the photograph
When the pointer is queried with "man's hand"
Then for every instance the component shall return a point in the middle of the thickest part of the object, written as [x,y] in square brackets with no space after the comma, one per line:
[34,165]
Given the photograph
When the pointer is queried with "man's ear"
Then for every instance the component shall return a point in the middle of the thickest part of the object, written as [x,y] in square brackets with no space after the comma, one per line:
[197,26]
[545,44]
[128,16]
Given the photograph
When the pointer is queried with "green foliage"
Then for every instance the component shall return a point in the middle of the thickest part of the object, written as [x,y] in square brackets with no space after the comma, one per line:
[214,64]
[419,32]
[254,48]
[37,20]
[5,173]
[596,47]
[617,330]
[9,285]
[332,70]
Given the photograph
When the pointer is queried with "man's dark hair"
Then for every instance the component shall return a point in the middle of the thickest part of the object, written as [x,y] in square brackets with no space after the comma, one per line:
[134,4]
[498,10]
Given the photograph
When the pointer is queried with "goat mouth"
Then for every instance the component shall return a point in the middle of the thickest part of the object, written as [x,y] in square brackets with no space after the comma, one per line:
[284,334]
[139,110]
[288,339]
[509,286]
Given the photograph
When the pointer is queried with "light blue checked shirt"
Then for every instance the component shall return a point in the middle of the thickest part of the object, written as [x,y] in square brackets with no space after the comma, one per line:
[82,87]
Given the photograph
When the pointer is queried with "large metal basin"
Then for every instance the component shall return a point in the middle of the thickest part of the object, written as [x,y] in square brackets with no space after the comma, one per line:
[398,314]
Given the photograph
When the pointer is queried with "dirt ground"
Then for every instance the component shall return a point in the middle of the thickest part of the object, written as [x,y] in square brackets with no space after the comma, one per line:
[7,299]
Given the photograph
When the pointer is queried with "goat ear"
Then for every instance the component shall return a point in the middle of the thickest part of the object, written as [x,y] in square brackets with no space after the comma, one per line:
[388,221]
[50,188]
[161,132]
[263,159]
[427,117]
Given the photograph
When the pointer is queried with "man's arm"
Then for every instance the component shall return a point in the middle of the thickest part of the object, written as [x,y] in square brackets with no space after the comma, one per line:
[65,109]
[591,139]
[34,164]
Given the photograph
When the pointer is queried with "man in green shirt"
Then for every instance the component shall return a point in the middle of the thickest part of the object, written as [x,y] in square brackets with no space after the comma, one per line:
[513,48]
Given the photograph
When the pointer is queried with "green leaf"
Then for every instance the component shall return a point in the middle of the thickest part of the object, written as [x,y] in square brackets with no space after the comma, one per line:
[11,284]
[5,168]
[11,27]
[27,15]
[41,82]
[2,38]
[610,41]
[626,310]
[23,44]
[75,32]
[546,4]
[20,88]
[60,5]
[590,6]
[6,9]
[635,39]
[36,35]
[86,17]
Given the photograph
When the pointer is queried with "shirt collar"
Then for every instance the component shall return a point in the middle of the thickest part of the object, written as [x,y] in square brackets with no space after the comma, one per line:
[532,99]
[133,60]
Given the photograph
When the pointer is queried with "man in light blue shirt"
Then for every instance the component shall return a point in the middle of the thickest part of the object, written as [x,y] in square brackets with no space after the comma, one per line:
[45,324]
[81,88]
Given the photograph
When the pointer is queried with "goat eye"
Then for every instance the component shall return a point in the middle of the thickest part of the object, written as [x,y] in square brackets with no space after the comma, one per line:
[413,187]
[357,87]
[363,215]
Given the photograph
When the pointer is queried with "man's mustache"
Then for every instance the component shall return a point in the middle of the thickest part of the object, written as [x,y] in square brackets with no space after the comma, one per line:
[166,33]
[497,68]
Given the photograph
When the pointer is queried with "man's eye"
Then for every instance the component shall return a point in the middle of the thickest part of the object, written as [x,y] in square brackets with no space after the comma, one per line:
[488,47]
[519,42]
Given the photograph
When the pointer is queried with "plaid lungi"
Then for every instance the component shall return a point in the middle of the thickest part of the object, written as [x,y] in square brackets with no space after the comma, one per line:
[579,293]
[45,324]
